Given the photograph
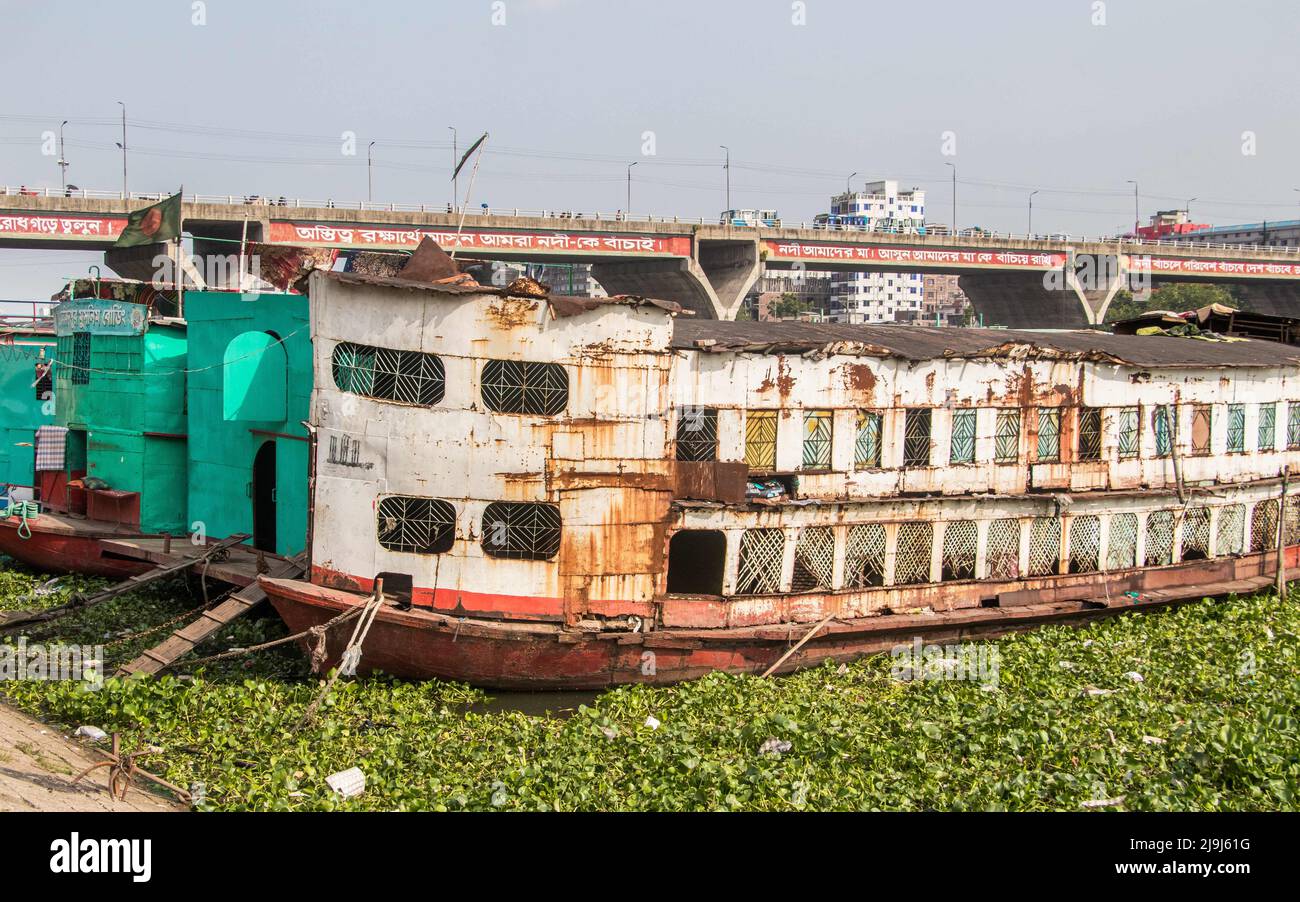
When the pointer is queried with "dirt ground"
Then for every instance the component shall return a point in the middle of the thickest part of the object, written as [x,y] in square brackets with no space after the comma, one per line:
[37,764]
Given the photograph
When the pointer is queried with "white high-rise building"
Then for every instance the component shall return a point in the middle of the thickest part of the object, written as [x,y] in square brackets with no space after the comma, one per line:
[877,297]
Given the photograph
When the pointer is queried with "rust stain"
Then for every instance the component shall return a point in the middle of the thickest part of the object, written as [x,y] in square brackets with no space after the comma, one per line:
[784,381]
[859,378]
[512,312]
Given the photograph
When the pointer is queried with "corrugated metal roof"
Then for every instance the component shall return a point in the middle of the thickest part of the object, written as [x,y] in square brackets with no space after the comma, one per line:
[929,342]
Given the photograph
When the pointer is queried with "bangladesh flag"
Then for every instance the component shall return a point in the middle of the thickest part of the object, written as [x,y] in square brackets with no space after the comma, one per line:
[160,222]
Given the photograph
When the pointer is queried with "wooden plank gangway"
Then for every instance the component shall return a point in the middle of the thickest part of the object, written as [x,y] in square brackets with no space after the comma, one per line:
[183,640]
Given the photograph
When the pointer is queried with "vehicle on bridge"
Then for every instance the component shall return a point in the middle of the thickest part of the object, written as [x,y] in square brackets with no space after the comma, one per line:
[750,218]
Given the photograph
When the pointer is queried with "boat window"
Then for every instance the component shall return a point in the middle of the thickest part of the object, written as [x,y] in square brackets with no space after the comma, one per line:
[81,358]
[866,447]
[1236,427]
[1202,428]
[1196,534]
[1230,534]
[962,446]
[521,531]
[1160,539]
[1160,426]
[1266,437]
[1089,433]
[864,556]
[1263,526]
[1049,434]
[697,433]
[762,556]
[1121,543]
[1085,543]
[916,437]
[817,439]
[1006,448]
[959,541]
[1002,554]
[416,525]
[1128,432]
[1292,426]
[913,552]
[520,386]
[696,561]
[1044,546]
[814,557]
[410,377]
[760,439]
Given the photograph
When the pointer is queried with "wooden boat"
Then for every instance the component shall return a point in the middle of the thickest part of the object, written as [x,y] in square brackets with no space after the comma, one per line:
[563,493]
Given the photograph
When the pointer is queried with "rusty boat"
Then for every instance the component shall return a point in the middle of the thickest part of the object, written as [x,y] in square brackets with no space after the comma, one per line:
[552,492]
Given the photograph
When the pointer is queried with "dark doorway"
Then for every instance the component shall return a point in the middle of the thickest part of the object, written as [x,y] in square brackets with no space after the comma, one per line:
[696,559]
[264,496]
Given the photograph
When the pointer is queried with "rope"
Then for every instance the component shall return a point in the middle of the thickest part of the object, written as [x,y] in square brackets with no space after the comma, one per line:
[351,654]
[316,631]
[27,510]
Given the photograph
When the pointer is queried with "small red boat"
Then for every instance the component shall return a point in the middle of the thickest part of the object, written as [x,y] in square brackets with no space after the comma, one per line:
[59,544]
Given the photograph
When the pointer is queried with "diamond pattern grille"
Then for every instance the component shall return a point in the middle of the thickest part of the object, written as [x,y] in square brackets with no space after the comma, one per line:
[912,554]
[410,377]
[817,439]
[959,541]
[1160,539]
[962,450]
[1044,546]
[866,448]
[1002,556]
[760,439]
[1085,544]
[864,556]
[1263,526]
[416,525]
[1121,544]
[529,387]
[1007,437]
[1196,534]
[761,554]
[521,531]
[814,558]
[1231,531]
[697,433]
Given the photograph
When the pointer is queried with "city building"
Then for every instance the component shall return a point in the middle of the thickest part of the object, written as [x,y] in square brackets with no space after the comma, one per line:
[573,279]
[877,297]
[1170,224]
[1283,233]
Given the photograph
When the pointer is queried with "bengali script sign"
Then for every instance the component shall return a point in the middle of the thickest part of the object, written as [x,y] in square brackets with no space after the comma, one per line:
[99,316]
[910,256]
[56,225]
[1193,266]
[480,240]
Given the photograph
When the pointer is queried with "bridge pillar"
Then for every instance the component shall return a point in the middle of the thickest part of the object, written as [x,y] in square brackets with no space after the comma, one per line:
[1276,298]
[1023,301]
[713,284]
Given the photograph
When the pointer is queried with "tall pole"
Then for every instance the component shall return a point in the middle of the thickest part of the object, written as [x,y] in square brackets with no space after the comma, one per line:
[455,184]
[370,173]
[63,160]
[628,208]
[1030,230]
[727,167]
[954,195]
[1137,215]
[1187,208]
[848,184]
[125,193]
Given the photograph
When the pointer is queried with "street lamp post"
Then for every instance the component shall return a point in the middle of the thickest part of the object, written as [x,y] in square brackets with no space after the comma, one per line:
[1030,231]
[727,168]
[1137,215]
[63,160]
[125,194]
[370,176]
[1187,208]
[848,184]
[628,208]
[954,195]
[455,188]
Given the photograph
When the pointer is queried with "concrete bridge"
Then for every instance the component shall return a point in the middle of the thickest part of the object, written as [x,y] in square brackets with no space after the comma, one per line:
[1021,282]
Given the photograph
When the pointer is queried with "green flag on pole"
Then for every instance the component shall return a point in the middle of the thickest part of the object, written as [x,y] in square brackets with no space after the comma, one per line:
[466,155]
[152,224]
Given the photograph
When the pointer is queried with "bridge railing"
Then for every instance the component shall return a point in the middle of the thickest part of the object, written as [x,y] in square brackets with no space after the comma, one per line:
[256,200]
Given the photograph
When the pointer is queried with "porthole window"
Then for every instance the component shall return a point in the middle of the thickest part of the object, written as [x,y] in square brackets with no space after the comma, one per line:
[416,525]
[411,377]
[521,531]
[515,386]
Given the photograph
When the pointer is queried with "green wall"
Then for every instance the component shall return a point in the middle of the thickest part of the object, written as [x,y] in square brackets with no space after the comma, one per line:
[132,409]
[241,372]
[20,410]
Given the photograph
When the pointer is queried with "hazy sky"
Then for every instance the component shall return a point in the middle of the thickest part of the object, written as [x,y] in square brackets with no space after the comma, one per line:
[256,101]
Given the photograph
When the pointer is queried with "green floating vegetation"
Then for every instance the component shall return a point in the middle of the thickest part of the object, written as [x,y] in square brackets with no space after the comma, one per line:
[1190,709]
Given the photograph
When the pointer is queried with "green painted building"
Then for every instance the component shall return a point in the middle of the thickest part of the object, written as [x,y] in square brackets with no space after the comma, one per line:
[249,392]
[120,391]
[26,353]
